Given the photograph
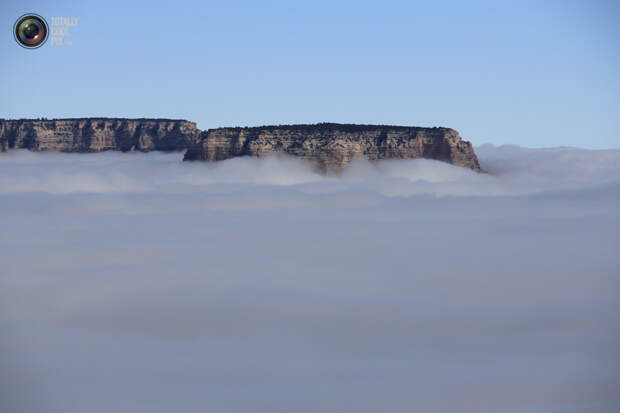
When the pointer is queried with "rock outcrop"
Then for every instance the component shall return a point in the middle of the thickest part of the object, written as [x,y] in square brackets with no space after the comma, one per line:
[97,134]
[329,146]
[332,146]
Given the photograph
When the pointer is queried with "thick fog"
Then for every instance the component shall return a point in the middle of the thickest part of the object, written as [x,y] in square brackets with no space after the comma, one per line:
[136,282]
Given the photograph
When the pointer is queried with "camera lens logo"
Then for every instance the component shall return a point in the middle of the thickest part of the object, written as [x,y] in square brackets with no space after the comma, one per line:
[30,31]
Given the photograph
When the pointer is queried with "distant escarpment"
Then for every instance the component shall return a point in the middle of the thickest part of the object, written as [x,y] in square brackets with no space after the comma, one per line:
[97,134]
[331,146]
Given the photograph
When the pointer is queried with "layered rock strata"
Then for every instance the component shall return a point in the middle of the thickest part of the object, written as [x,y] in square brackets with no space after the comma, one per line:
[332,146]
[329,146]
[97,134]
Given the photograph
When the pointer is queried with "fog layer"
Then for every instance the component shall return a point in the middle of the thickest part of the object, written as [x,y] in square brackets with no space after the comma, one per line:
[136,282]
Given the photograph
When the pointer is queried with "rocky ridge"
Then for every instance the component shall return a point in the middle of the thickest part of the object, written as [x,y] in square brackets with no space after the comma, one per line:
[97,134]
[329,146]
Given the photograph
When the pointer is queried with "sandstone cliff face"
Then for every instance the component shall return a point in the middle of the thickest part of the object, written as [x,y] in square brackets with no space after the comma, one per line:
[332,146]
[97,134]
[329,146]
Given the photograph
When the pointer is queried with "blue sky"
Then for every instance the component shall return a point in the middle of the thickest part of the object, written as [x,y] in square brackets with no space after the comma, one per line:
[533,74]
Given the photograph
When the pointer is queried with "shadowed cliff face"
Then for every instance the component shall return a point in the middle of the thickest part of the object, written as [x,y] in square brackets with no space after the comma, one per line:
[332,146]
[97,134]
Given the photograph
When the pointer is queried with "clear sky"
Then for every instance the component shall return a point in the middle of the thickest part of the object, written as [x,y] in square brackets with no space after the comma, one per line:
[531,73]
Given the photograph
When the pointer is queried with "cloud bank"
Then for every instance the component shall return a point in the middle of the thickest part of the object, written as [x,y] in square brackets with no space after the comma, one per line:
[136,282]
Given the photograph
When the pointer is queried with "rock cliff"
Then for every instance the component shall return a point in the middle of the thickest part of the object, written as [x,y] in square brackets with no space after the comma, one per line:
[96,134]
[332,146]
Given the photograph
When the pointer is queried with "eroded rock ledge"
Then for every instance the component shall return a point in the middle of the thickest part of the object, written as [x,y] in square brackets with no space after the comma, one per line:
[332,146]
[329,146]
[97,134]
